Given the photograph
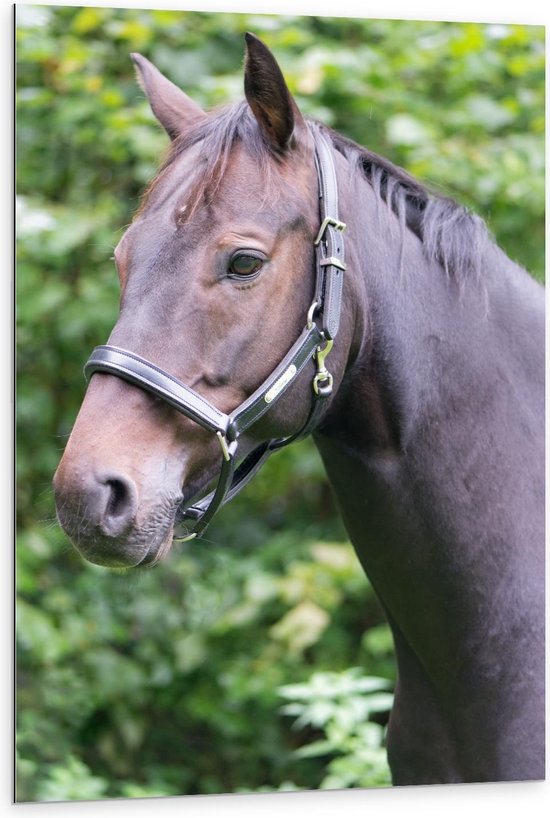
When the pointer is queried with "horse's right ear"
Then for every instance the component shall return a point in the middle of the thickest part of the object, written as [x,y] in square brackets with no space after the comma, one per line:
[174,110]
[268,96]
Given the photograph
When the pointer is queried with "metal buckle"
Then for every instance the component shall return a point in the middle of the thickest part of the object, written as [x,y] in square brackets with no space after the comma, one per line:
[332,261]
[228,449]
[185,538]
[322,381]
[329,220]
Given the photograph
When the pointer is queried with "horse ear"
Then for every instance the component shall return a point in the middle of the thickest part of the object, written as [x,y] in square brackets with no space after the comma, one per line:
[173,109]
[267,94]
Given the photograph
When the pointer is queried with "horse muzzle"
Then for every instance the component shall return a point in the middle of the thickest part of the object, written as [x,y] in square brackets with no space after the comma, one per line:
[99,513]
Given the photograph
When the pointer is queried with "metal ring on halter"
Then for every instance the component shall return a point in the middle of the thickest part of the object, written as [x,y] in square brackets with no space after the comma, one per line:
[310,313]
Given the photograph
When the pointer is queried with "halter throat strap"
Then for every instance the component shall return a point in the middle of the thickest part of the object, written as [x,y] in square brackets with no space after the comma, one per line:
[314,343]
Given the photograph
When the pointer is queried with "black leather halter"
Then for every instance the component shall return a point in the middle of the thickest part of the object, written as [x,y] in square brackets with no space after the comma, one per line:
[314,343]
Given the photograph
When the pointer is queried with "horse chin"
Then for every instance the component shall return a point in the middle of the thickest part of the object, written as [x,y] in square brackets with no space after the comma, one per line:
[138,548]
[159,552]
[126,554]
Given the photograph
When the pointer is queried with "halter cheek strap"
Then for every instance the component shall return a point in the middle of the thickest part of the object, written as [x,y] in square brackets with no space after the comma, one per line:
[314,343]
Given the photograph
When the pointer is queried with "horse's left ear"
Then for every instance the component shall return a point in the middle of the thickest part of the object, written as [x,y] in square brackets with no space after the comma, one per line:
[268,96]
[174,110]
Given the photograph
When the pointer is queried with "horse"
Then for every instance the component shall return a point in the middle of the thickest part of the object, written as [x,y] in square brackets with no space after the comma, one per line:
[415,360]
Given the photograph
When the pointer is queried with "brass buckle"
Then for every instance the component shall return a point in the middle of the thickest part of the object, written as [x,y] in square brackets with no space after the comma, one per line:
[185,538]
[228,449]
[322,381]
[332,261]
[329,220]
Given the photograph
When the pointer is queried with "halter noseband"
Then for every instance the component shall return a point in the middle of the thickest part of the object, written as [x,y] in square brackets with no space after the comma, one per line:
[315,342]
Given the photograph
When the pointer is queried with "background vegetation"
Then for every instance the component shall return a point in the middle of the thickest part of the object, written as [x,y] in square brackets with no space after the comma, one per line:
[234,665]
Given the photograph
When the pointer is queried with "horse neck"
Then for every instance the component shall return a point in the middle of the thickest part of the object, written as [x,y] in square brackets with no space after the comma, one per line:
[434,446]
[417,335]
[443,400]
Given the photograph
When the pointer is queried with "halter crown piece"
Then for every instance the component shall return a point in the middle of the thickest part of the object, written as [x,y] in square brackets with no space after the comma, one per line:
[314,343]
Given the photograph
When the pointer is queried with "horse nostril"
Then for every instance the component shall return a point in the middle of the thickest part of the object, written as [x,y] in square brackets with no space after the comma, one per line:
[116,504]
[120,505]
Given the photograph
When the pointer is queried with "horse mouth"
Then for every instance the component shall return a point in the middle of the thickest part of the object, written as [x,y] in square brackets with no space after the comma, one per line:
[177,528]
[157,553]
[135,550]
[116,523]
[138,546]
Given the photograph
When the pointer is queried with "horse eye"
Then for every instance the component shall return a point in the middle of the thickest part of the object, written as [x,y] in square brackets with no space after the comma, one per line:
[244,266]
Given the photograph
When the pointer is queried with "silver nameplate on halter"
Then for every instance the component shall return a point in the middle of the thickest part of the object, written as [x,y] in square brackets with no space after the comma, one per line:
[280,383]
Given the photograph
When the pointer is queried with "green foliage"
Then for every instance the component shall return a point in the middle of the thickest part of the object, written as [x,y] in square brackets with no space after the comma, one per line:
[165,682]
[160,680]
[342,705]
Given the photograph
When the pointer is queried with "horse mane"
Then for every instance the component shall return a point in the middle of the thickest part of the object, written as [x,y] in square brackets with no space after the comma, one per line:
[450,233]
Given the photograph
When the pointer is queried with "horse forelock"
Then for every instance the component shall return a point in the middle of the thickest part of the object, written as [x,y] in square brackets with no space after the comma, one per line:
[217,135]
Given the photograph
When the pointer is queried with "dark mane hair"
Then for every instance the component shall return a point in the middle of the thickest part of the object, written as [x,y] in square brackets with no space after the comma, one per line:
[450,233]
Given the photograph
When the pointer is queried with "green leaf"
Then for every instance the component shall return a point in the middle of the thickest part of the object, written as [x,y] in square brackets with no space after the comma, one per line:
[404,129]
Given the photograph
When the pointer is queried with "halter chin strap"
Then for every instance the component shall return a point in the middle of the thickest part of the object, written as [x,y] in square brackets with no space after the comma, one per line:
[315,342]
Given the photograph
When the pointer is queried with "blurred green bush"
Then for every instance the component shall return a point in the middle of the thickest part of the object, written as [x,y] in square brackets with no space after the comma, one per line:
[166,682]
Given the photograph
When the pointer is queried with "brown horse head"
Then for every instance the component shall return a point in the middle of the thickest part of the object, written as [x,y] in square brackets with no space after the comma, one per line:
[216,280]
